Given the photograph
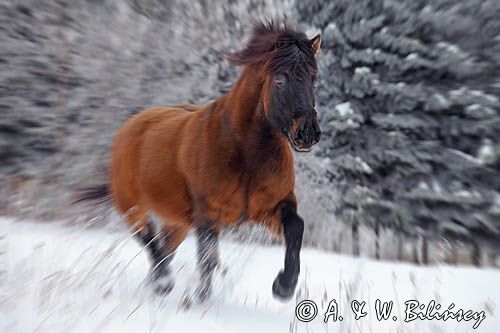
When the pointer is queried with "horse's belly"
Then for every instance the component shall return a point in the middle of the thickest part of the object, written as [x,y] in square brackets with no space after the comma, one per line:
[220,201]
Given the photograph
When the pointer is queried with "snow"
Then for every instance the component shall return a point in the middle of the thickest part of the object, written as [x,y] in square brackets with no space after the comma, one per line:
[364,166]
[344,109]
[412,56]
[486,152]
[364,69]
[59,278]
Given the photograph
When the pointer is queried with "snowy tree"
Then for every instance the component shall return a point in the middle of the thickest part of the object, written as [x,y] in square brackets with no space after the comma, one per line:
[410,107]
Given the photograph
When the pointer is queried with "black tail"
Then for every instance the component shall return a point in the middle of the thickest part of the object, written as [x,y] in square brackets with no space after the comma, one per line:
[98,194]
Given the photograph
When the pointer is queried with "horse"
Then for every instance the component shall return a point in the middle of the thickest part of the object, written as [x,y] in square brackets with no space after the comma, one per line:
[202,168]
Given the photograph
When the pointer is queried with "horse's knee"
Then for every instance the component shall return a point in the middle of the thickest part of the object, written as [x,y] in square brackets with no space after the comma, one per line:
[293,224]
[293,227]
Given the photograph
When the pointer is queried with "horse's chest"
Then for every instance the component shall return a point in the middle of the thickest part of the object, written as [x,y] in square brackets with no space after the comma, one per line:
[254,195]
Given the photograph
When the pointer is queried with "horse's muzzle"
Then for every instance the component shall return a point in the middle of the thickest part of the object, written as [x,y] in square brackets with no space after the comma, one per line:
[305,134]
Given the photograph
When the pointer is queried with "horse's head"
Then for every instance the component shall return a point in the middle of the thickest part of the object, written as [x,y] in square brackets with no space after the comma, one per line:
[288,90]
[285,61]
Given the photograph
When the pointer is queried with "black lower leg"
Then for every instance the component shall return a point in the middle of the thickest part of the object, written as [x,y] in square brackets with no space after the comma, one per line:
[208,257]
[293,229]
[156,243]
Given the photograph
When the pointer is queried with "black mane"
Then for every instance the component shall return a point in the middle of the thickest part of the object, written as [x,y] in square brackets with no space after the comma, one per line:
[279,49]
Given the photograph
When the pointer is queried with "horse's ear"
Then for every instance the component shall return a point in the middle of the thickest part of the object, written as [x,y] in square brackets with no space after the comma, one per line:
[316,44]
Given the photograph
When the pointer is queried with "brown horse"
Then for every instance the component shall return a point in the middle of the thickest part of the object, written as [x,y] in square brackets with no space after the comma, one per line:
[186,167]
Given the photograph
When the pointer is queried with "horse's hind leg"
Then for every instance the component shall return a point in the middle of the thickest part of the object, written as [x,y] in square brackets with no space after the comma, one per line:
[208,259]
[172,238]
[160,242]
[154,242]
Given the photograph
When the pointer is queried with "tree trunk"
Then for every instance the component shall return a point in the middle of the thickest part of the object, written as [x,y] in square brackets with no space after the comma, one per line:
[355,238]
[415,251]
[476,254]
[400,246]
[425,250]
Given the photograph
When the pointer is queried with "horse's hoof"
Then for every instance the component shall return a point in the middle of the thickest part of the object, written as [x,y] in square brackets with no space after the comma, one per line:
[163,285]
[198,296]
[281,291]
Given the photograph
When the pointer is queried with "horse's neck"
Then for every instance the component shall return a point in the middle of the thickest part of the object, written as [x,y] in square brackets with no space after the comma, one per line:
[250,131]
[242,102]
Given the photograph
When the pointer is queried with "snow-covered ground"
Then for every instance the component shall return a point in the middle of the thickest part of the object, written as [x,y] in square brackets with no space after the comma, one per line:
[55,278]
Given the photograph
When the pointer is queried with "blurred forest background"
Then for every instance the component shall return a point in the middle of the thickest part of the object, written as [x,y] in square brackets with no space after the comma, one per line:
[409,164]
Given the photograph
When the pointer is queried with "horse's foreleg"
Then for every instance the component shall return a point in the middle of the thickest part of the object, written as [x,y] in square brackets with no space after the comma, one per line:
[293,228]
[208,258]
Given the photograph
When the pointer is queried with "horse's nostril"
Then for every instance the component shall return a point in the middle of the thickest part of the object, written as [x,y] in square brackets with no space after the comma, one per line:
[300,135]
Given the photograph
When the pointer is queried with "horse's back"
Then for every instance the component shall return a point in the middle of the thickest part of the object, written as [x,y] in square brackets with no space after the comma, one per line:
[143,163]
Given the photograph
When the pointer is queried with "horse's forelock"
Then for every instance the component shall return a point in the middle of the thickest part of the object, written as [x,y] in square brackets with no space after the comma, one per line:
[277,48]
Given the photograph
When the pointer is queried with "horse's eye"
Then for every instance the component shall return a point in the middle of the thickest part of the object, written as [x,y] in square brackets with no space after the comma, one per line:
[279,80]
